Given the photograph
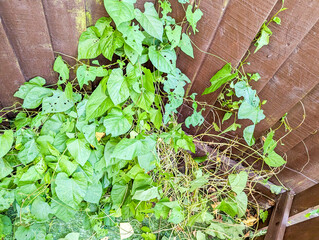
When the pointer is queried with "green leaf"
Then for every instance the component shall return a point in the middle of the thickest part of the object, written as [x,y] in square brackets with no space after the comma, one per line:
[67,166]
[226,230]
[193,17]
[243,89]
[195,119]
[277,20]
[5,227]
[220,78]
[146,195]
[34,232]
[238,181]
[132,36]
[117,86]
[263,215]
[59,102]
[249,135]
[228,207]
[118,194]
[164,60]
[186,45]
[156,117]
[5,168]
[29,153]
[71,191]
[99,102]
[41,209]
[242,201]
[161,210]
[27,86]
[6,141]
[35,96]
[263,38]
[117,122]
[94,191]
[89,42]
[120,11]
[275,189]
[274,160]
[177,214]
[71,236]
[144,93]
[200,235]
[84,75]
[269,144]
[174,36]
[61,68]
[227,116]
[110,41]
[248,111]
[150,21]
[6,198]
[79,149]
[255,77]
[62,211]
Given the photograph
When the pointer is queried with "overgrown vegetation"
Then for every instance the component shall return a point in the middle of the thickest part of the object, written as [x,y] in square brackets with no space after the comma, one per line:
[114,163]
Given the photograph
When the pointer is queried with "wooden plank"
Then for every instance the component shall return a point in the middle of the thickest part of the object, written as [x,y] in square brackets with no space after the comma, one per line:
[66,22]
[293,179]
[302,164]
[309,107]
[94,10]
[279,217]
[238,27]
[296,22]
[304,200]
[307,230]
[293,81]
[212,15]
[11,76]
[28,34]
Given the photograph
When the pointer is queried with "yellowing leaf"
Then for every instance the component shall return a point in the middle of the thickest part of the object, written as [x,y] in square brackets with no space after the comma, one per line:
[126,230]
[99,135]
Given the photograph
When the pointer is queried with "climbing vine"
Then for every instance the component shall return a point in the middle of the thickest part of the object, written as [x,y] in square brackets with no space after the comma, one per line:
[114,163]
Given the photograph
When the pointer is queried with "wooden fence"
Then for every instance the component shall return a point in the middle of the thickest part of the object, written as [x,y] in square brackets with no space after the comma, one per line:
[32,31]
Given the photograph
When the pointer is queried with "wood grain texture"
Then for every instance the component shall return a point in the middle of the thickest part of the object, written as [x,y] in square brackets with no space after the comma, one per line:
[66,22]
[94,10]
[279,217]
[308,107]
[304,200]
[293,81]
[307,230]
[11,76]
[238,27]
[28,34]
[296,22]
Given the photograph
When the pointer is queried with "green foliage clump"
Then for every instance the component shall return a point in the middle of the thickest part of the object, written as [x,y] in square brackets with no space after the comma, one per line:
[114,162]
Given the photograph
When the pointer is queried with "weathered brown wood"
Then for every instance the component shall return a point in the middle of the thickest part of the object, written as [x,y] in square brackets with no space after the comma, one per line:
[306,109]
[66,22]
[293,179]
[304,200]
[231,41]
[10,73]
[94,10]
[302,168]
[307,230]
[238,27]
[28,33]
[293,81]
[279,217]
[296,22]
